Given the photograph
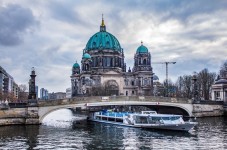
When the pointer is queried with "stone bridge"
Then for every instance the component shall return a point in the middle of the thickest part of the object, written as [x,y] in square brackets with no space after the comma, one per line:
[36,112]
[161,104]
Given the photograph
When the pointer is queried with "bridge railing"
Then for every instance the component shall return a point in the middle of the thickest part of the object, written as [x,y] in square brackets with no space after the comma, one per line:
[93,99]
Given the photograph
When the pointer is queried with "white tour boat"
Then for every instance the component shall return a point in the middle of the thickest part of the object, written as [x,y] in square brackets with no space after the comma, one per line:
[146,119]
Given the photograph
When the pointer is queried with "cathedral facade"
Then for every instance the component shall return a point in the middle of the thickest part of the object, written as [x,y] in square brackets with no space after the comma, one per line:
[103,69]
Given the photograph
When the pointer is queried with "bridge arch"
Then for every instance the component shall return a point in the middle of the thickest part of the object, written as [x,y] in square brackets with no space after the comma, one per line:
[44,111]
[187,109]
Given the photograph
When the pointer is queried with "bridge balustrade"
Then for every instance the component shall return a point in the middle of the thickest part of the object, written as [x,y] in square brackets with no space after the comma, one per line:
[93,99]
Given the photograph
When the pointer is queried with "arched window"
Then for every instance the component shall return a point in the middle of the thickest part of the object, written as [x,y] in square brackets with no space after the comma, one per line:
[86,67]
[144,62]
[145,81]
[133,83]
[126,82]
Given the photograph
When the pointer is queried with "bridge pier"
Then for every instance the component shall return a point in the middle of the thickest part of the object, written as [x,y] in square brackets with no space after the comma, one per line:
[19,116]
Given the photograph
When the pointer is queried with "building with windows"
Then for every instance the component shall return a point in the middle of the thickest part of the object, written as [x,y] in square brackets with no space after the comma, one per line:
[37,90]
[219,88]
[44,94]
[57,95]
[68,93]
[7,84]
[103,69]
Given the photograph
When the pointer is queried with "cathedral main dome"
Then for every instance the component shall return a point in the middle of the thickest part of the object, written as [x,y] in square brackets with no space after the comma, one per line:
[103,40]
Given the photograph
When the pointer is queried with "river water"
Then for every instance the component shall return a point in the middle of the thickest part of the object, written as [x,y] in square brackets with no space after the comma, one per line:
[57,132]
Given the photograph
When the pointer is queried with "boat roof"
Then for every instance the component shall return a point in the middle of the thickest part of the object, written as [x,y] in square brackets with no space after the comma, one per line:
[145,113]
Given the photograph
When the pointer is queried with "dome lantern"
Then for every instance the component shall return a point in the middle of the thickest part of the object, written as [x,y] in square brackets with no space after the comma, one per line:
[102,27]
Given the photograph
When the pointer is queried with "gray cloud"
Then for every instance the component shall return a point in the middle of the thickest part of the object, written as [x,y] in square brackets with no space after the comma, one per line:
[192,33]
[15,21]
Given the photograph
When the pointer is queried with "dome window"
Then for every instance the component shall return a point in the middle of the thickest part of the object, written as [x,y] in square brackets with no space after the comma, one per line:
[94,44]
[108,44]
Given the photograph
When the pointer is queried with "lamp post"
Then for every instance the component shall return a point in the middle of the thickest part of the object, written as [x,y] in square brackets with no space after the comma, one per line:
[195,88]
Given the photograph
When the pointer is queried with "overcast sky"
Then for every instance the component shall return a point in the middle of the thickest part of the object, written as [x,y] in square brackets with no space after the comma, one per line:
[50,35]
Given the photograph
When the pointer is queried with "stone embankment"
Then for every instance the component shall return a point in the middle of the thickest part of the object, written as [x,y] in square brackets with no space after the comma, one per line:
[15,116]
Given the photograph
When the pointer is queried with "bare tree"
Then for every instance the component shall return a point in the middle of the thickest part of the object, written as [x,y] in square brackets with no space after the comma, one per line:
[184,86]
[98,91]
[205,80]
[223,70]
[22,94]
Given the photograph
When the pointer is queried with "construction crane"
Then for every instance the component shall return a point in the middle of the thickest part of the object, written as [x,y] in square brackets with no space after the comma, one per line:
[166,63]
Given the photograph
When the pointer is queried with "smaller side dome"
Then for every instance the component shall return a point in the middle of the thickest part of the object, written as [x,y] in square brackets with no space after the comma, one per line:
[86,56]
[76,65]
[155,77]
[142,49]
[221,81]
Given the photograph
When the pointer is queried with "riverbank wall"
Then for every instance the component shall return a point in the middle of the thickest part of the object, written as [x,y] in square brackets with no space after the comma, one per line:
[207,110]
[19,116]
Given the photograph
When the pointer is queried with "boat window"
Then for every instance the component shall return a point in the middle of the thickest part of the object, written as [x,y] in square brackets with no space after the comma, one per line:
[165,118]
[175,118]
[141,120]
[154,120]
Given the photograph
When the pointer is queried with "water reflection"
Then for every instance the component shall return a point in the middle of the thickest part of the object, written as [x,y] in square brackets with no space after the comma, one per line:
[19,137]
[210,133]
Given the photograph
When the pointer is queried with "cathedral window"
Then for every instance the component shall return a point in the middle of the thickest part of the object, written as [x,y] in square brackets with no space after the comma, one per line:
[105,61]
[144,62]
[111,62]
[126,82]
[108,62]
[132,92]
[145,82]
[133,83]
[86,67]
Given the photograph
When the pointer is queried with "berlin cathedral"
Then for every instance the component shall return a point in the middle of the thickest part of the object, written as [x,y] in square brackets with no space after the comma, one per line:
[103,70]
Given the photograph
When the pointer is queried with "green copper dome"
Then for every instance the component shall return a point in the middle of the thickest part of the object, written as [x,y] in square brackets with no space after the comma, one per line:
[87,56]
[142,49]
[103,40]
[76,65]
